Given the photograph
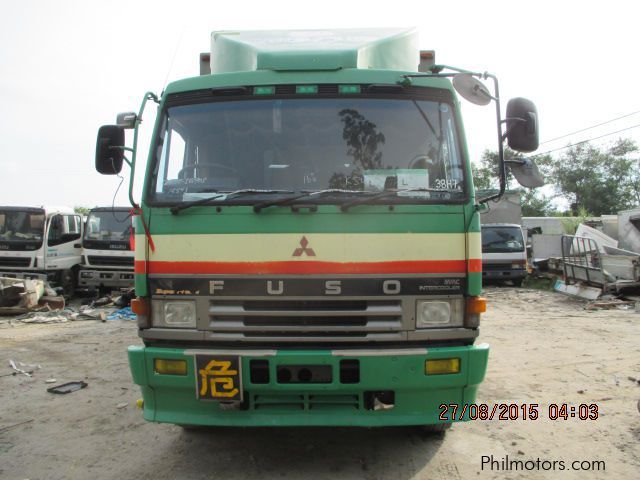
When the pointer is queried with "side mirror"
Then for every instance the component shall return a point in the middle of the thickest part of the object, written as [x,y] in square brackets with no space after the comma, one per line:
[522,125]
[472,89]
[109,152]
[526,172]
[127,120]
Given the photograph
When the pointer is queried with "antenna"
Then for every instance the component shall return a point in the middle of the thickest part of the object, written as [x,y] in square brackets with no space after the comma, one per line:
[175,53]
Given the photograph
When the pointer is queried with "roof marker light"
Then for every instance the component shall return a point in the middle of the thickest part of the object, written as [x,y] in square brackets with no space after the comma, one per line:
[264,90]
[347,89]
[306,89]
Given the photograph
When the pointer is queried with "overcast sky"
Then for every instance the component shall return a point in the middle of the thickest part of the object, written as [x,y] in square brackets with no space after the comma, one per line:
[68,67]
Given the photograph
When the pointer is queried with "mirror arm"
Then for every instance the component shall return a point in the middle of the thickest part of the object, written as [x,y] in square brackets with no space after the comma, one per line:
[147,96]
[501,165]
[515,162]
[126,149]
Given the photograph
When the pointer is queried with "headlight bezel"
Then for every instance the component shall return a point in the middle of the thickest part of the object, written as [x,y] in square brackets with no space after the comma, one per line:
[453,308]
[165,312]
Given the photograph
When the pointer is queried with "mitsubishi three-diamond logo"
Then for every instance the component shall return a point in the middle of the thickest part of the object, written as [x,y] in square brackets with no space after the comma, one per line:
[298,252]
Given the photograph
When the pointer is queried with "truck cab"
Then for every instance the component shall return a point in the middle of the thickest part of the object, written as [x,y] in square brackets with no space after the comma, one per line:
[107,249]
[504,253]
[308,239]
[40,242]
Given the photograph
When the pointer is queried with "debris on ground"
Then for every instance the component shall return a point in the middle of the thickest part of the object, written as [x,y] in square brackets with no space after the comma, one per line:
[122,314]
[113,307]
[610,304]
[68,387]
[19,296]
[101,302]
[23,368]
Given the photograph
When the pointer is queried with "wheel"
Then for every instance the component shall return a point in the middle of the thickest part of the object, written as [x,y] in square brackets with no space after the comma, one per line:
[68,283]
[517,282]
[440,428]
[192,428]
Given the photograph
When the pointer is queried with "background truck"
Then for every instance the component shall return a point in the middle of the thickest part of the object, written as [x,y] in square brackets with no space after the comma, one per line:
[308,241]
[107,249]
[504,253]
[41,242]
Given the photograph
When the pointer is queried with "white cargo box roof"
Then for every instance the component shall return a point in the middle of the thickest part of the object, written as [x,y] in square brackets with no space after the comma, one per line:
[291,50]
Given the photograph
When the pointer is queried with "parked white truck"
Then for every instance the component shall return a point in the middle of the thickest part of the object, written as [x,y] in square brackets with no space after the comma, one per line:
[504,253]
[41,242]
[107,250]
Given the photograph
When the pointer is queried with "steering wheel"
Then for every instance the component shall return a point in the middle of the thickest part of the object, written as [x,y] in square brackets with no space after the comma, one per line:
[202,166]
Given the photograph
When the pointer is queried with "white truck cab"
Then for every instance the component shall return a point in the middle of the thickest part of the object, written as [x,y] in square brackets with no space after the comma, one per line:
[107,250]
[40,242]
[504,253]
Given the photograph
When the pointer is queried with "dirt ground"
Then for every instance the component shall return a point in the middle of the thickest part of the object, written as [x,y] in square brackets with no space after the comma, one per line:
[545,348]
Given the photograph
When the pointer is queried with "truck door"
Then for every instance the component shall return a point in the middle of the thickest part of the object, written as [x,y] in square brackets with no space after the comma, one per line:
[63,242]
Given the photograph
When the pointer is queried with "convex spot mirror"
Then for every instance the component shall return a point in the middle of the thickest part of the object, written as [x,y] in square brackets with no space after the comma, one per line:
[522,125]
[109,152]
[526,172]
[127,120]
[472,89]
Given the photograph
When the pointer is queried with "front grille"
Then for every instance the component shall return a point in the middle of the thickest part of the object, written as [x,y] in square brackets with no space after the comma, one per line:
[110,261]
[15,261]
[496,266]
[298,319]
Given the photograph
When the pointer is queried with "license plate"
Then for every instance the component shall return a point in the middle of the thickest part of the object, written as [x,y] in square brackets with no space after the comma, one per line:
[218,377]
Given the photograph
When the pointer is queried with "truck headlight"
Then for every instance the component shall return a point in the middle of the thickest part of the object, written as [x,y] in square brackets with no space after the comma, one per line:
[178,313]
[439,313]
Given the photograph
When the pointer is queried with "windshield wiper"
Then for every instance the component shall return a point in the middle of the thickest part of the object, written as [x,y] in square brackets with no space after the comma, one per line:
[258,207]
[203,201]
[388,193]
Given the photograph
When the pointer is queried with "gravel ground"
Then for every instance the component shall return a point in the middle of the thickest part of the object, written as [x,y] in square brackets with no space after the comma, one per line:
[546,348]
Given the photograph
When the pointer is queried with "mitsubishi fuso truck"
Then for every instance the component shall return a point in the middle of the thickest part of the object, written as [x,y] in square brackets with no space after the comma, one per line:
[107,250]
[41,242]
[307,245]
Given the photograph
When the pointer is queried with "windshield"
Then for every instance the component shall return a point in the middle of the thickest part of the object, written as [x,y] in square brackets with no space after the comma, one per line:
[22,227]
[108,226]
[308,145]
[502,239]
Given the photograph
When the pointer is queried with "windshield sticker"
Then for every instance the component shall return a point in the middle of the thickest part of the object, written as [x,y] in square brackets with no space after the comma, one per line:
[378,180]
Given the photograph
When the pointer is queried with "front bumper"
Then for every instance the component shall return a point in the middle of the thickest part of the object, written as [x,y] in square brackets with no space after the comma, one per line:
[172,398]
[88,278]
[30,274]
[505,273]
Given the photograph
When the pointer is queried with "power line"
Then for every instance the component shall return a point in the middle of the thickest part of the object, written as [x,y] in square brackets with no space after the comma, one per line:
[589,128]
[585,141]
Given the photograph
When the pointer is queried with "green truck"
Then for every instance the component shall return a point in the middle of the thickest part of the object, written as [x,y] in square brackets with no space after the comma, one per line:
[307,245]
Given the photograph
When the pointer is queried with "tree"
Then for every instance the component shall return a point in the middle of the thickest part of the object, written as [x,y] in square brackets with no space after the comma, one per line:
[536,204]
[81,210]
[601,181]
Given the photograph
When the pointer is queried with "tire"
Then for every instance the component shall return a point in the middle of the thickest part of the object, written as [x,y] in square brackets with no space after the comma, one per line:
[518,282]
[68,283]
[192,428]
[436,428]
